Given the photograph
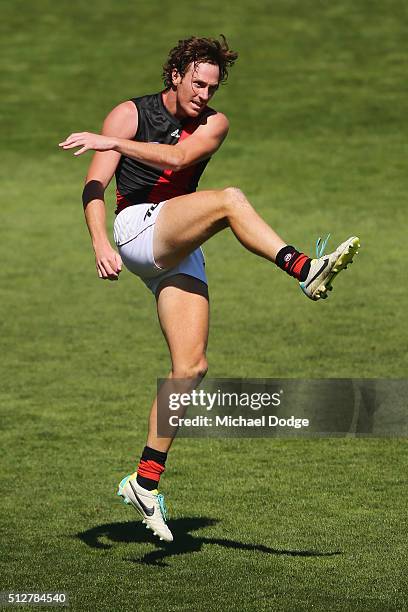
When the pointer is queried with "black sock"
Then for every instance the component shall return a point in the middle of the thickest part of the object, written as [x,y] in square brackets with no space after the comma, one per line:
[150,468]
[293,262]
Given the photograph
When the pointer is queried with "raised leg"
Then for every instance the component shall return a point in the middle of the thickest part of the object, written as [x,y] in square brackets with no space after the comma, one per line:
[186,222]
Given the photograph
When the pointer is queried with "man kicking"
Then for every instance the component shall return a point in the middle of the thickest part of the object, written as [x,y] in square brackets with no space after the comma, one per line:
[158,147]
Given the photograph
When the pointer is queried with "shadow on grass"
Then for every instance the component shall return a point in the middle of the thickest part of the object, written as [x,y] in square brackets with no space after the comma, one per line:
[184,541]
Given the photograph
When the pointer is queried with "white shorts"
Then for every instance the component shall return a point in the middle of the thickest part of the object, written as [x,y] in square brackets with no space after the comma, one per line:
[133,234]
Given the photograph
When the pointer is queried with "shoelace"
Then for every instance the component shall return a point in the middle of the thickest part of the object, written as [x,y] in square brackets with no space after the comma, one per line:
[163,509]
[321,245]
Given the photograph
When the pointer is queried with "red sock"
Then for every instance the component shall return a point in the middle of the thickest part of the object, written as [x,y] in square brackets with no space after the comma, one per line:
[293,262]
[150,468]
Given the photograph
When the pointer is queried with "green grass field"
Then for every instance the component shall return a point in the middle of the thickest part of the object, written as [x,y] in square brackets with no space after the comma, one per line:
[318,107]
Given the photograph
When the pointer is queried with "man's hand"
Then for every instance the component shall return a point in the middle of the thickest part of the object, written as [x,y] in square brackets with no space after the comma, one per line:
[88,141]
[108,262]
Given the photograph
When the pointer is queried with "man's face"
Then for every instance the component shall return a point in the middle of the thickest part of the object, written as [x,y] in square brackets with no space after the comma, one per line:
[196,88]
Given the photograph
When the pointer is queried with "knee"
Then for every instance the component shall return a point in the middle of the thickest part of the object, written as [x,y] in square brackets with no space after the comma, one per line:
[233,198]
[193,369]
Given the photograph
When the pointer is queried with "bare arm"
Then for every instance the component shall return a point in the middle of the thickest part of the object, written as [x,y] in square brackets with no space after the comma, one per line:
[200,145]
[121,121]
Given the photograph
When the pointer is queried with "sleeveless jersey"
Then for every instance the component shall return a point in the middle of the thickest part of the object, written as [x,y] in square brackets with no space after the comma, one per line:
[138,183]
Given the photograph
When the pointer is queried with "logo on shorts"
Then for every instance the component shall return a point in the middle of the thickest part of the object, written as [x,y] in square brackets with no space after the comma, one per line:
[175,134]
[150,210]
[288,257]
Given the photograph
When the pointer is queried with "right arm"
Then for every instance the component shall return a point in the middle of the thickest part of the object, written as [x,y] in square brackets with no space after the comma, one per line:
[121,122]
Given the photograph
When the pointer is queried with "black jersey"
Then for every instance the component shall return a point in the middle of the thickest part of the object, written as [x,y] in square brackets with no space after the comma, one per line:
[138,183]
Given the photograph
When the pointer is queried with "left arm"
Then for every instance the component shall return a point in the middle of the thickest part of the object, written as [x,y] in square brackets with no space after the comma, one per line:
[203,143]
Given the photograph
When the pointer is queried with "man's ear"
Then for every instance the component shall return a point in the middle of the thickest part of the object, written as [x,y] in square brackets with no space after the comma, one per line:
[176,78]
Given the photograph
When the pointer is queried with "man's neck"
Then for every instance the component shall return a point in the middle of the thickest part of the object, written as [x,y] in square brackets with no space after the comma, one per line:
[169,98]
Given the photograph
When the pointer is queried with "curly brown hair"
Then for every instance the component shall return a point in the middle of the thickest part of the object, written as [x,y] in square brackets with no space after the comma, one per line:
[199,50]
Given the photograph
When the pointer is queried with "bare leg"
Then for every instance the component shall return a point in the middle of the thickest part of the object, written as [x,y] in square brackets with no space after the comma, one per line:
[185,222]
[183,310]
